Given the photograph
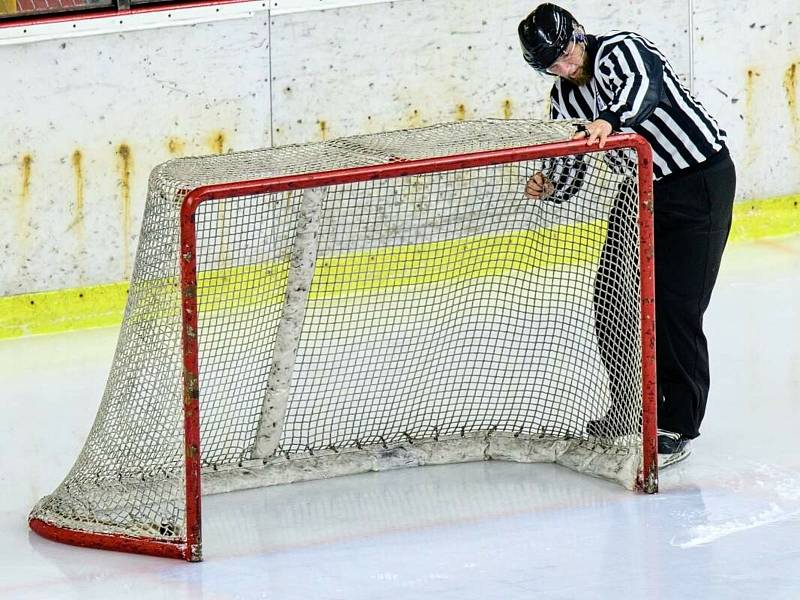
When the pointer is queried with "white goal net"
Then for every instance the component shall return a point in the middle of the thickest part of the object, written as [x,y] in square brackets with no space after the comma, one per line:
[369,303]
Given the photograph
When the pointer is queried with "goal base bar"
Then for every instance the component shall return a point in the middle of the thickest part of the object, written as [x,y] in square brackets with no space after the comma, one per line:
[116,542]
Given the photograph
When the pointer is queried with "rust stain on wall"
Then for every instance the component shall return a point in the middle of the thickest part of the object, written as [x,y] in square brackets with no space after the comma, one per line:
[751,123]
[25,168]
[217,145]
[507,108]
[124,171]
[77,168]
[790,81]
[176,146]
[22,216]
[415,119]
[323,129]
[217,142]
[790,85]
[78,212]
[461,112]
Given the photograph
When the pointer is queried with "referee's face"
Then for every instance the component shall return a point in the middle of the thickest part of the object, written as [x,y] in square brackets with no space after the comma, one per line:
[573,65]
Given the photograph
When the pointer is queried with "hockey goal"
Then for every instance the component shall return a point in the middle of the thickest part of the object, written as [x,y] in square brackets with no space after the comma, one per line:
[369,303]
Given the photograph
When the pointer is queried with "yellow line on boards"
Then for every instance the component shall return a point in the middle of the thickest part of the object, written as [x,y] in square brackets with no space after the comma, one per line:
[365,272]
[774,217]
[62,310]
[347,274]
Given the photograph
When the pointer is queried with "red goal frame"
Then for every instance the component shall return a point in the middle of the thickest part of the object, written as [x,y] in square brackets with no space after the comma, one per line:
[191,548]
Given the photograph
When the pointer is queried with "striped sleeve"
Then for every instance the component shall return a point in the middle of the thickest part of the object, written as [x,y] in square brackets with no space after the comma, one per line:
[566,173]
[632,76]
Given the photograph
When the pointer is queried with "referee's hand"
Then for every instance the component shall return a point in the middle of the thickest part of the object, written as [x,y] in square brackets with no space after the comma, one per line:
[539,186]
[595,132]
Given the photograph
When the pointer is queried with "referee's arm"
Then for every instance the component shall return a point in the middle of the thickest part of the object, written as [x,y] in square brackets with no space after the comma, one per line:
[634,78]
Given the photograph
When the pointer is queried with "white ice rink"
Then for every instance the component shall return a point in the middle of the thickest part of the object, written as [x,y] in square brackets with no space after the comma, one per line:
[726,523]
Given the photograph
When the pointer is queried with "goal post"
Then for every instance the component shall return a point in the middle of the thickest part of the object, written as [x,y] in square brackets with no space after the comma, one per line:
[369,303]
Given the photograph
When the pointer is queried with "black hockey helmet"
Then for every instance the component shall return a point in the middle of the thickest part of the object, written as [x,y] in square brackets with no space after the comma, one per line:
[545,35]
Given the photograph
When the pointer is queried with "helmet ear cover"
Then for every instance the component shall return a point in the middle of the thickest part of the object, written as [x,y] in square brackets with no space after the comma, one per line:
[545,35]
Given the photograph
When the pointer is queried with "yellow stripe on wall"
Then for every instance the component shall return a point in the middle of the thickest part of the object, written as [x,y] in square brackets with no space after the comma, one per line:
[775,217]
[103,305]
[381,269]
[62,310]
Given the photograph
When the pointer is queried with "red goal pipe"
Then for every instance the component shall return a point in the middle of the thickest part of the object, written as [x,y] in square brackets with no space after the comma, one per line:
[110,541]
[648,478]
[401,168]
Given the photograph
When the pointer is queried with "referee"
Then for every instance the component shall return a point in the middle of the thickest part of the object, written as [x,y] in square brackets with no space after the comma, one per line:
[621,82]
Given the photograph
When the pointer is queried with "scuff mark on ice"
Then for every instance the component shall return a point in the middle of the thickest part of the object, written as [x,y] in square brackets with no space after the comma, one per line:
[704,534]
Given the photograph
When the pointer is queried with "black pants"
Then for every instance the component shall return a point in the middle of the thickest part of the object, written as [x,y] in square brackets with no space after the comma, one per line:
[692,221]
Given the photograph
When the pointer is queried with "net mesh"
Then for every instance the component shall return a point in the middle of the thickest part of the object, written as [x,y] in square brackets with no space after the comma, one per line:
[447,318]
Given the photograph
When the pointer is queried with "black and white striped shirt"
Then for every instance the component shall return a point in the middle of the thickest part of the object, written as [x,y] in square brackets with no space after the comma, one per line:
[636,90]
